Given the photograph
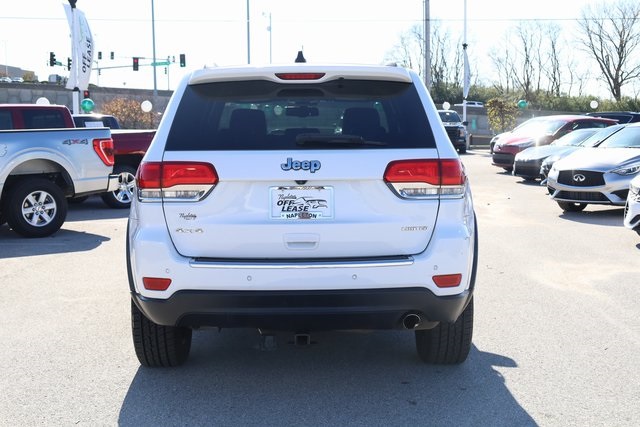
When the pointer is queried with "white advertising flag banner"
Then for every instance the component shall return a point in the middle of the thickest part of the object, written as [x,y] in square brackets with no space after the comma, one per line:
[81,49]
[467,75]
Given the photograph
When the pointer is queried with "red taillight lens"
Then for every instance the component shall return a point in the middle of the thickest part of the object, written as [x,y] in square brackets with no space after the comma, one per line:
[413,171]
[300,76]
[148,175]
[447,280]
[452,172]
[169,174]
[104,150]
[156,283]
[431,171]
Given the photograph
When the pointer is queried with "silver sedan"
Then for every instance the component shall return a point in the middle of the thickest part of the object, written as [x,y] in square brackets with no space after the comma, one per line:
[598,175]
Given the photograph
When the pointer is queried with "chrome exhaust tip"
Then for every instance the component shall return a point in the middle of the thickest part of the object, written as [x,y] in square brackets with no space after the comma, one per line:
[411,321]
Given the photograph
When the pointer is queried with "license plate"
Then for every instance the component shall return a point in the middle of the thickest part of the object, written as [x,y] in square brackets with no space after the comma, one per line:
[301,203]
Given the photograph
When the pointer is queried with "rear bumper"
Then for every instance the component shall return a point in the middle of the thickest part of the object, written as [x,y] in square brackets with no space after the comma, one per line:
[303,310]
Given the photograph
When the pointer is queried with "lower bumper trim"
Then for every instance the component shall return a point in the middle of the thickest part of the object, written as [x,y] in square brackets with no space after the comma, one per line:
[303,310]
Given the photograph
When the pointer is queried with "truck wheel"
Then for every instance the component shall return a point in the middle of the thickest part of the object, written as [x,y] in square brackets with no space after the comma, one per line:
[447,343]
[158,346]
[572,207]
[35,207]
[122,196]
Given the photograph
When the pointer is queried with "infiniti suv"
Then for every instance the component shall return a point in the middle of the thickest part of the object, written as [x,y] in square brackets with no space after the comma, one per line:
[301,198]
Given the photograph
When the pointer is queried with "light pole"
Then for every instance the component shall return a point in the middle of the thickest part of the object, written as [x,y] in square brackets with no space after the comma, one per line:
[248,36]
[427,45]
[270,29]
[153,42]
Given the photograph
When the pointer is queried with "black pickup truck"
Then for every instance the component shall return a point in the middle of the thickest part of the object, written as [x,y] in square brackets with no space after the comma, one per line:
[456,129]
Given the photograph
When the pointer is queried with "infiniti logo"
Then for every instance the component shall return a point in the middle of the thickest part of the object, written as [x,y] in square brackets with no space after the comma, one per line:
[579,177]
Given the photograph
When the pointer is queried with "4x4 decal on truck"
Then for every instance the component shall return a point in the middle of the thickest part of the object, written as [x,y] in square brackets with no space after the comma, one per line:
[75,142]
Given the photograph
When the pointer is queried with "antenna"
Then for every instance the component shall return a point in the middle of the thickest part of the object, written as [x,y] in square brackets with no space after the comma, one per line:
[300,57]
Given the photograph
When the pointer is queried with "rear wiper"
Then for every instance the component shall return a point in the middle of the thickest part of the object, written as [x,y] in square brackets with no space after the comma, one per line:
[315,139]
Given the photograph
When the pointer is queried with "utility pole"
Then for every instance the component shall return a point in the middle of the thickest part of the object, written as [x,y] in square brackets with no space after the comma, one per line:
[153,42]
[75,96]
[427,45]
[248,35]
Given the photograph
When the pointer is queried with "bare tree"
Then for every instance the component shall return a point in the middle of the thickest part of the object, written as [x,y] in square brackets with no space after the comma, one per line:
[409,51]
[504,71]
[610,33]
[446,64]
[519,62]
[528,64]
[446,58]
[553,69]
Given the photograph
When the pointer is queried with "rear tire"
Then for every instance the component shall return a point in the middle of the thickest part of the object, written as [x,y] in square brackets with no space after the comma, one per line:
[158,346]
[571,206]
[35,207]
[447,343]
[122,196]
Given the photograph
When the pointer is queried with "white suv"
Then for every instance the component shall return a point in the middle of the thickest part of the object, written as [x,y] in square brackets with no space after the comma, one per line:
[301,198]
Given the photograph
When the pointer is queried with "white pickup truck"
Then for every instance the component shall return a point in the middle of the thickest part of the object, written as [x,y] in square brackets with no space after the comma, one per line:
[40,168]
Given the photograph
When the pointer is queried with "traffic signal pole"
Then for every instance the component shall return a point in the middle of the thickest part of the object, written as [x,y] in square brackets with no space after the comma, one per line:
[153,38]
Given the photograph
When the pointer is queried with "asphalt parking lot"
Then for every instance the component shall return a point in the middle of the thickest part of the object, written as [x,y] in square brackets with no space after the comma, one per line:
[556,338]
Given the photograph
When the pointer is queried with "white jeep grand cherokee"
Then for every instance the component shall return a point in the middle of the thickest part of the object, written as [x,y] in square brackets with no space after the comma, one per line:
[301,198]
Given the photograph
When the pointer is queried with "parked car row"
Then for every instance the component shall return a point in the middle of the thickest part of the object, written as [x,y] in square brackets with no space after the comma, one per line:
[585,165]
[6,79]
[540,131]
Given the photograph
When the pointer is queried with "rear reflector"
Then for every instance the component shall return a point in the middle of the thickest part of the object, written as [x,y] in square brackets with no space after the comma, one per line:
[300,76]
[447,280]
[156,283]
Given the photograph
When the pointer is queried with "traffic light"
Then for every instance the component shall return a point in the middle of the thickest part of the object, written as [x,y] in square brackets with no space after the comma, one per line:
[99,55]
[86,94]
[183,62]
[112,56]
[52,59]
[136,63]
[68,64]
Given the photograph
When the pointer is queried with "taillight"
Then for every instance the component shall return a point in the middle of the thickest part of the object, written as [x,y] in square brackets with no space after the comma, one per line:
[104,150]
[426,178]
[175,181]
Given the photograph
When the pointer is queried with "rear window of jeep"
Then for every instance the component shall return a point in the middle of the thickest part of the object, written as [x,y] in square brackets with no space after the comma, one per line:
[263,115]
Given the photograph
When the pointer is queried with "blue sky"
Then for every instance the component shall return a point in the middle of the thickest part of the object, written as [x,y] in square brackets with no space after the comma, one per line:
[214,32]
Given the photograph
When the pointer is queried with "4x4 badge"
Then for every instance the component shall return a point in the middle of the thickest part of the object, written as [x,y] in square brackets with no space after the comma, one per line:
[307,165]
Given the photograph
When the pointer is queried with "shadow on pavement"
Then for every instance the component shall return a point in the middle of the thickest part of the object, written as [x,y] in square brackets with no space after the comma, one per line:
[344,378]
[93,208]
[612,217]
[13,245]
